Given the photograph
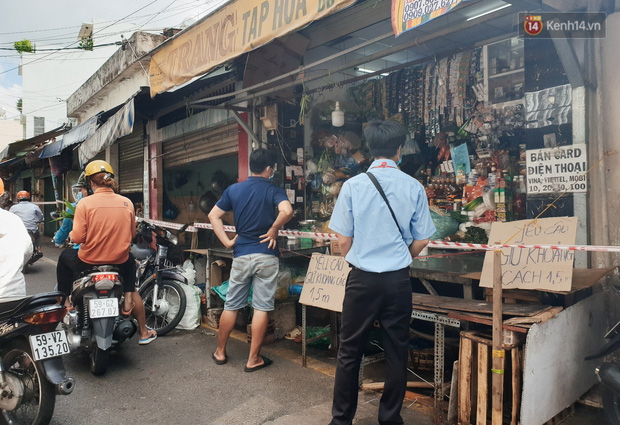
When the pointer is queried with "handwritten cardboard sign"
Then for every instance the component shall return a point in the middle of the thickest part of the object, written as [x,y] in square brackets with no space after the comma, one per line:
[533,268]
[325,282]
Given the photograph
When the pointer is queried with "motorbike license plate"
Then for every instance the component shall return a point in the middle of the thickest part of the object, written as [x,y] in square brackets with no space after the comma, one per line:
[47,345]
[103,307]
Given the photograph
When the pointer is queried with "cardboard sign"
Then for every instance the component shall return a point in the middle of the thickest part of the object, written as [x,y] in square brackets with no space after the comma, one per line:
[408,14]
[533,268]
[556,170]
[325,282]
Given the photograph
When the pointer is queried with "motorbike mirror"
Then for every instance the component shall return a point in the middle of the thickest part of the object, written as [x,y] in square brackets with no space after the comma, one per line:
[184,228]
[55,215]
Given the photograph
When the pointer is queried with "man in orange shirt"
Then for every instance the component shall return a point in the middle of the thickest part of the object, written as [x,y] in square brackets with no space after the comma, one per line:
[104,224]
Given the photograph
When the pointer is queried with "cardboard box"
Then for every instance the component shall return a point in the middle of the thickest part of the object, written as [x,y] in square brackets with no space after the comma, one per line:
[219,273]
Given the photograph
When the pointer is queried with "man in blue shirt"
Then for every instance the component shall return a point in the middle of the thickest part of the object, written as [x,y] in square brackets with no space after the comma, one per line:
[380,248]
[254,204]
[31,215]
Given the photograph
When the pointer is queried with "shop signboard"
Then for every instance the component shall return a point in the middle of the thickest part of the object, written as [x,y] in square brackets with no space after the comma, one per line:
[557,170]
[408,14]
[325,282]
[236,28]
[533,268]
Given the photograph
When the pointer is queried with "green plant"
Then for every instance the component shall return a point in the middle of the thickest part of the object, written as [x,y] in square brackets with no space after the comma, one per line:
[19,105]
[69,212]
[86,43]
[23,46]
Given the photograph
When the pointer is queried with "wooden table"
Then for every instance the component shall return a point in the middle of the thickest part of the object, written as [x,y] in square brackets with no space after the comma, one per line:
[452,269]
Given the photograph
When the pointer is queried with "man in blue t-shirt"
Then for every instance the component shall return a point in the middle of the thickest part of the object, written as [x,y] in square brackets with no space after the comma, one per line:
[254,204]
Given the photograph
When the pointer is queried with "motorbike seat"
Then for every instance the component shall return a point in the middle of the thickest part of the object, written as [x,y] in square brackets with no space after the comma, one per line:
[100,268]
[141,253]
[11,306]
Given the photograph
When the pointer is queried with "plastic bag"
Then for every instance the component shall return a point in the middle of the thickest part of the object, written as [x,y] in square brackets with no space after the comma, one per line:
[284,280]
[189,272]
[191,318]
[445,225]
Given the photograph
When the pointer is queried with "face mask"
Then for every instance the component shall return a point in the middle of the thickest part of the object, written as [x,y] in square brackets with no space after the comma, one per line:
[400,160]
[78,197]
[272,175]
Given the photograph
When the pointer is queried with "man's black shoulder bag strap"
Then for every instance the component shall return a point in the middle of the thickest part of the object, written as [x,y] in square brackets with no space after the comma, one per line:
[374,181]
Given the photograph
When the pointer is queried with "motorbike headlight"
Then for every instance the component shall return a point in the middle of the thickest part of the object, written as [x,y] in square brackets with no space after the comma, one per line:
[173,238]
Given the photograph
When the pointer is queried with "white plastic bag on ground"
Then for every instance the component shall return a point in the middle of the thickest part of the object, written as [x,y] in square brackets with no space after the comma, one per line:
[189,272]
[191,318]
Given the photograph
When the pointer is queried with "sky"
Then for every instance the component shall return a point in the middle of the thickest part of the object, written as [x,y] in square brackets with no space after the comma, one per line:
[56,24]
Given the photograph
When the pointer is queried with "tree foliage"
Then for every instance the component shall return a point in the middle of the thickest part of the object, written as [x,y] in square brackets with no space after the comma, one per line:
[86,43]
[23,46]
[19,105]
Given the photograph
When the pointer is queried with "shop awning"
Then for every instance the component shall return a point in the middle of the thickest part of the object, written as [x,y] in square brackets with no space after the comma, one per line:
[53,149]
[76,135]
[119,125]
[80,132]
[30,144]
[236,28]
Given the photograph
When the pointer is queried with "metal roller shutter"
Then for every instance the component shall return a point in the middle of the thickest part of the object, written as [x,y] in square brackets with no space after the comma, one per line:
[131,163]
[216,142]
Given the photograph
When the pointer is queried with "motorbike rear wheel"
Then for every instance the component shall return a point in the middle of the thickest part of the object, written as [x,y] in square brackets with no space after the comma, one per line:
[611,404]
[37,405]
[171,304]
[99,360]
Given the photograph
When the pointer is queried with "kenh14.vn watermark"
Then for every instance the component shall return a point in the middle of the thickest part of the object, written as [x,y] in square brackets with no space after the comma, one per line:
[562,25]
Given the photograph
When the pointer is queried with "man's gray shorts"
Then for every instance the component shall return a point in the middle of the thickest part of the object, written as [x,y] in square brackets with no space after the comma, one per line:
[260,269]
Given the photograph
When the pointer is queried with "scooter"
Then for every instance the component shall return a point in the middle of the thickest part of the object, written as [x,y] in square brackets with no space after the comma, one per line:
[158,281]
[96,325]
[31,367]
[609,375]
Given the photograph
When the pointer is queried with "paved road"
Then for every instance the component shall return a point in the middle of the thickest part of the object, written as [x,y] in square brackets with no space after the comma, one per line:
[174,381]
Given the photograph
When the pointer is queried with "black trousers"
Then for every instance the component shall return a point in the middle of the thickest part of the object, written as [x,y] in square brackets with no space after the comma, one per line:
[385,297]
[70,266]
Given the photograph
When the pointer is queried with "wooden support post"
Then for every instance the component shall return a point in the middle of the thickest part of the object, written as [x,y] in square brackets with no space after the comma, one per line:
[498,352]
[465,367]
[483,378]
[516,384]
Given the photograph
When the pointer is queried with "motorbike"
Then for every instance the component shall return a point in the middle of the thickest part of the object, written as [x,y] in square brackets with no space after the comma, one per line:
[158,281]
[31,366]
[96,325]
[608,374]
[34,257]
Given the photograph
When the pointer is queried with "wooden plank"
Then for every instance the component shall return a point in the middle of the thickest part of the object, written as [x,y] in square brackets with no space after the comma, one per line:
[516,385]
[498,352]
[465,381]
[539,318]
[475,306]
[483,384]
[486,320]
[374,386]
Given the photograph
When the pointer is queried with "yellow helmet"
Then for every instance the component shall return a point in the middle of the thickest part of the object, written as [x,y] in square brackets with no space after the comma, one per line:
[97,166]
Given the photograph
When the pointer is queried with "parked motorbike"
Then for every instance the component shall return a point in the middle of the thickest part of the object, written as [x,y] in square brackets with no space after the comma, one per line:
[96,325]
[31,367]
[609,375]
[158,281]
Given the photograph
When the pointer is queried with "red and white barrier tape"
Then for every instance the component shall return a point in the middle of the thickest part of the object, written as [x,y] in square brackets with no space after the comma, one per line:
[459,245]
[432,244]
[167,224]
